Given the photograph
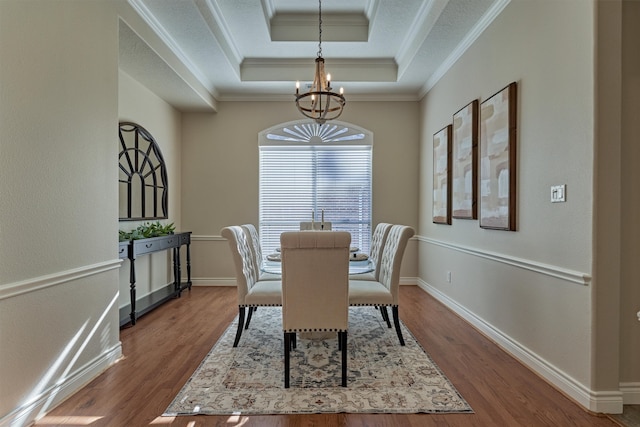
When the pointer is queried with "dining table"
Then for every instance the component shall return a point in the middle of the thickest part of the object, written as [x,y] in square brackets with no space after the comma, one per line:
[358,263]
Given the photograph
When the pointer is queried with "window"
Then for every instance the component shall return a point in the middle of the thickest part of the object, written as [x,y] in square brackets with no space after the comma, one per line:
[306,167]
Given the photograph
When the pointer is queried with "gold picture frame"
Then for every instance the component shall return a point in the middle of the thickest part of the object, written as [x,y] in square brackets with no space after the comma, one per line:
[498,121]
[442,176]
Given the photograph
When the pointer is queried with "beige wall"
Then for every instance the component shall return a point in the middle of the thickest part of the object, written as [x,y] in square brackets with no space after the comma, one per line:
[630,251]
[139,105]
[58,221]
[536,291]
[220,173]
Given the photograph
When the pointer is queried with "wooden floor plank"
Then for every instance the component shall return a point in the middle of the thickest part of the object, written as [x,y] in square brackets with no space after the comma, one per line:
[165,346]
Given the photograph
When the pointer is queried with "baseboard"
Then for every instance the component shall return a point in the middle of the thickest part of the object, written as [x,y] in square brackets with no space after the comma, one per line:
[408,281]
[231,281]
[602,401]
[37,406]
[630,393]
[213,281]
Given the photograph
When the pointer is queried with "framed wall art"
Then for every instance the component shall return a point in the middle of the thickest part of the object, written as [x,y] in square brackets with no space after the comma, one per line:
[442,176]
[498,121]
[465,161]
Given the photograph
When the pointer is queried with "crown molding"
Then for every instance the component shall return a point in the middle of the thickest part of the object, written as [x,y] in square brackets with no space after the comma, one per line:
[470,38]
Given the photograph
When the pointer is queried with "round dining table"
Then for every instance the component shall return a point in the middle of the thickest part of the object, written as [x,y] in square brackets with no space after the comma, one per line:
[355,266]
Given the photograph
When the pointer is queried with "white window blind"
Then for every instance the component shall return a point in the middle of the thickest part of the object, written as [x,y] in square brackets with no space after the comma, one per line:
[296,179]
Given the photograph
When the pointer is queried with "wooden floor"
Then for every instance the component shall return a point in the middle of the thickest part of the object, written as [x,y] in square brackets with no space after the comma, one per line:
[164,348]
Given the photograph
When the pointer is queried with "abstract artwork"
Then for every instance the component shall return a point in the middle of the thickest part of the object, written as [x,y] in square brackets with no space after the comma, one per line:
[465,159]
[498,160]
[442,176]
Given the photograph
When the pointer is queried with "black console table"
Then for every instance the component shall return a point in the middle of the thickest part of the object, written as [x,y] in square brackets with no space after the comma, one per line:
[134,248]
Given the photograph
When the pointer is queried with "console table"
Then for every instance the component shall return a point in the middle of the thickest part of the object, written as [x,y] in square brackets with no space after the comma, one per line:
[135,248]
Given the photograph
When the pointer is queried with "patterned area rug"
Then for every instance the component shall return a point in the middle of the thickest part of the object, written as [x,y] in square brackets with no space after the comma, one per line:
[383,377]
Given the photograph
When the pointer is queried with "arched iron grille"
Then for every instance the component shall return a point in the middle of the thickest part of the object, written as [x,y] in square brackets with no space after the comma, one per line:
[142,179]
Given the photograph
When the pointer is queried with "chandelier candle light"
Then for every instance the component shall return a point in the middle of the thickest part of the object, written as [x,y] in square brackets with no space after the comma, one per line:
[320,103]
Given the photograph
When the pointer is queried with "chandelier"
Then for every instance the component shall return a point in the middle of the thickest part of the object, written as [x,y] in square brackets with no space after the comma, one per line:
[320,103]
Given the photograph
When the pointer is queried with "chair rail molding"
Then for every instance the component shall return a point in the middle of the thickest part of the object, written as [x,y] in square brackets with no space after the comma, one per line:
[568,275]
[207,237]
[34,284]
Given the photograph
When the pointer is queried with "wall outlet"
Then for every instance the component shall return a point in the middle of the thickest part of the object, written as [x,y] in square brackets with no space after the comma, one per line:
[448,277]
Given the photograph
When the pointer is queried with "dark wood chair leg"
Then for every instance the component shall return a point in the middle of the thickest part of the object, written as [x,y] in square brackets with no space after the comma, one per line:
[251,310]
[385,315]
[396,321]
[240,325]
[294,339]
[342,339]
[287,348]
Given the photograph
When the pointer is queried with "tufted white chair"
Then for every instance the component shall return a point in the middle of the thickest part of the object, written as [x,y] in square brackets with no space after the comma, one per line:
[256,249]
[385,291]
[252,292]
[316,225]
[378,239]
[315,288]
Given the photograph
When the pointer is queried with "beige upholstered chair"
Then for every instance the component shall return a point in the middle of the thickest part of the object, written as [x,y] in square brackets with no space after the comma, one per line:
[384,291]
[378,239]
[317,225]
[252,293]
[315,288]
[256,249]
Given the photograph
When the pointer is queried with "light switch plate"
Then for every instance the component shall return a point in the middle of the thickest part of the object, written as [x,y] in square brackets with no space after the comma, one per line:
[558,193]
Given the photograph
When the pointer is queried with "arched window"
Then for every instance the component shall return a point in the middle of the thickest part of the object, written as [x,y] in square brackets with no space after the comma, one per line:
[306,167]
[142,175]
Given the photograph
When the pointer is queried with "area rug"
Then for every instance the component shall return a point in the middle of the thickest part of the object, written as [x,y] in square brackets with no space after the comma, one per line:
[383,377]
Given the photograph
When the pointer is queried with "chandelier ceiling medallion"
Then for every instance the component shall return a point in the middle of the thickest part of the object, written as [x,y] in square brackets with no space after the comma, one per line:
[320,103]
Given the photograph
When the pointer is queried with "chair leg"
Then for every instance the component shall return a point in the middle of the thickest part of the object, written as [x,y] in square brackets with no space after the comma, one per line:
[396,321]
[240,325]
[342,340]
[385,315]
[287,348]
[251,310]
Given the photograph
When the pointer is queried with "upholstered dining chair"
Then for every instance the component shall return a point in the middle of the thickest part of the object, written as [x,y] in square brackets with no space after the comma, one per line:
[384,292]
[316,225]
[256,249]
[315,288]
[378,239]
[252,292]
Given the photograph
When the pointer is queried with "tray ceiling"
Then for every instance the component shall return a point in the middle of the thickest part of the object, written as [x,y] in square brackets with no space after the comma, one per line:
[194,53]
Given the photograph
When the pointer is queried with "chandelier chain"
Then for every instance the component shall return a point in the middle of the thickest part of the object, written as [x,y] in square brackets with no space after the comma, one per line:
[320,103]
[320,29]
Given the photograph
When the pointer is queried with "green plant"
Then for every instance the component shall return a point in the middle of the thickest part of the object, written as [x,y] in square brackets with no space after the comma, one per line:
[146,230]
